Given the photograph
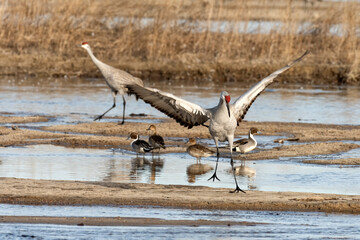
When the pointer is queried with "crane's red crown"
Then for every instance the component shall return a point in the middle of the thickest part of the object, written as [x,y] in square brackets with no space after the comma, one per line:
[227,98]
[84,43]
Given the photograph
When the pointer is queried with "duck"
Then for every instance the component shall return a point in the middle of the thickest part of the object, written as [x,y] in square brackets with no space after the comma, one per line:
[246,144]
[156,141]
[198,151]
[139,146]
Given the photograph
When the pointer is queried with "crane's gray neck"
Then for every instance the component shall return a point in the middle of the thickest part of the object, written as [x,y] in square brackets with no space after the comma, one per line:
[95,60]
[222,103]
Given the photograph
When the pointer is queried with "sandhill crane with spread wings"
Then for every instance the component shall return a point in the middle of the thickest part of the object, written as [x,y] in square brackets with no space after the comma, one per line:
[116,79]
[224,117]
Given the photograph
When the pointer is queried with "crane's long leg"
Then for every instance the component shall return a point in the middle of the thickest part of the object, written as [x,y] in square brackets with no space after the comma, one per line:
[237,189]
[114,105]
[213,177]
[124,104]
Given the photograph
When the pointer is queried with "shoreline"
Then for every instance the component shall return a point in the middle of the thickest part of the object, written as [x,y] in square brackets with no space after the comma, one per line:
[55,192]
[148,71]
[312,139]
[118,221]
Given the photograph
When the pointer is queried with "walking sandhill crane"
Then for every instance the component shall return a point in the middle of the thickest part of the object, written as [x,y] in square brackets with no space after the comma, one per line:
[224,117]
[116,79]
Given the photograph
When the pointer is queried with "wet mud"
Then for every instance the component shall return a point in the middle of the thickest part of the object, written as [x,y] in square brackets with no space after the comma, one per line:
[45,192]
[311,139]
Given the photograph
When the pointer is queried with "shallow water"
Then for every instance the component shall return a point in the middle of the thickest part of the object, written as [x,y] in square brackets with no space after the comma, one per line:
[223,26]
[79,100]
[74,100]
[285,174]
[70,101]
[272,225]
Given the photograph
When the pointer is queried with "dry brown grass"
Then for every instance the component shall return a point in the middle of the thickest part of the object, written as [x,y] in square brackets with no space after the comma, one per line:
[46,35]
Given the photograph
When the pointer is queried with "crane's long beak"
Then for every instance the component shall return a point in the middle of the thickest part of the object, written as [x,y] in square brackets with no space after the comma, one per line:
[228,108]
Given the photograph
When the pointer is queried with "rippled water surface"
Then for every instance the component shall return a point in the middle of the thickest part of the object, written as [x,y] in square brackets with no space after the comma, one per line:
[82,100]
[75,100]
[285,174]
[268,225]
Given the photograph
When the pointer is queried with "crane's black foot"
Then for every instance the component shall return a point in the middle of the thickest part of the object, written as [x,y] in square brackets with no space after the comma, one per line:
[122,123]
[214,177]
[237,189]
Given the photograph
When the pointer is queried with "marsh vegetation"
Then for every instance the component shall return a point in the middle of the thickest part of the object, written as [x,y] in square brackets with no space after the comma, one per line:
[222,40]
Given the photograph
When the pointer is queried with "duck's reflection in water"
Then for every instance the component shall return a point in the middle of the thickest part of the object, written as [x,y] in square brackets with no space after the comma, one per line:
[136,169]
[246,172]
[140,165]
[196,169]
[155,166]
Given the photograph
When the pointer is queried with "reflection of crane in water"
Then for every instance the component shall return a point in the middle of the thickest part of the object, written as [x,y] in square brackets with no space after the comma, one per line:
[223,118]
[116,79]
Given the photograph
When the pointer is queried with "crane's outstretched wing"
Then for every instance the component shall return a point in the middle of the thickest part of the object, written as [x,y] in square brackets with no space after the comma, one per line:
[243,103]
[186,113]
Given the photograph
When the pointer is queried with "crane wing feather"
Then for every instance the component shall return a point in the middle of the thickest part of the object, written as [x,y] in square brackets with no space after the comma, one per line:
[184,112]
[243,103]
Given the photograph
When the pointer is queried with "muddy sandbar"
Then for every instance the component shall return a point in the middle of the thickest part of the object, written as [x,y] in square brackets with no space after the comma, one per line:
[51,192]
[344,161]
[117,221]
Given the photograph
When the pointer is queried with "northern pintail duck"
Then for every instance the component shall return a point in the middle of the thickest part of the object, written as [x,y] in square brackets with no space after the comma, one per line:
[139,146]
[246,144]
[198,151]
[155,140]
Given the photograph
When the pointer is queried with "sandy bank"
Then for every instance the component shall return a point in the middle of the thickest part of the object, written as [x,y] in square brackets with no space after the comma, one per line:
[40,192]
[345,161]
[312,139]
[117,221]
